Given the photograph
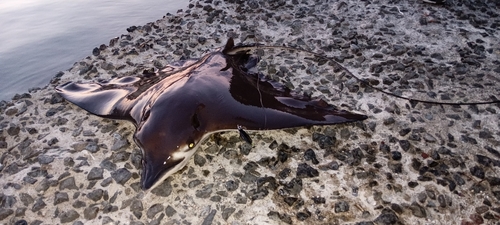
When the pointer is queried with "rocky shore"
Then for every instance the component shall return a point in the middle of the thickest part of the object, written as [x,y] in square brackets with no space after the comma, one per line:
[409,163]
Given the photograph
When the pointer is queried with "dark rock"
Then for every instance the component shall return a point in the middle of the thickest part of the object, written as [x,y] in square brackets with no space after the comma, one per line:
[90,212]
[119,143]
[209,218]
[108,165]
[121,175]
[68,183]
[341,206]
[39,204]
[95,173]
[169,211]
[164,189]
[309,155]
[405,145]
[205,191]
[136,208]
[477,172]
[95,195]
[78,204]
[323,140]
[60,197]
[153,210]
[26,199]
[68,216]
[13,130]
[20,222]
[301,216]
[417,210]
[232,185]
[199,160]
[226,213]
[4,213]
[304,171]
[387,217]
[45,159]
[494,181]
[96,51]
[396,155]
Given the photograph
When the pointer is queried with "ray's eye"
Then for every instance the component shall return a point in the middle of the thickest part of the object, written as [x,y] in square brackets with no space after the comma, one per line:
[190,143]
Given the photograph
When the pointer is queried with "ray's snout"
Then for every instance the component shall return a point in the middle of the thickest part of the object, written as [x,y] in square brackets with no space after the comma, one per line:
[156,171]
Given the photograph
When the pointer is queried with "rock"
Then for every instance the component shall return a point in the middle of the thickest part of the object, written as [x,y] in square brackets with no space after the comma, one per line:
[90,212]
[387,217]
[305,171]
[95,173]
[205,191]
[226,213]
[164,189]
[68,183]
[477,172]
[136,208]
[231,185]
[199,160]
[60,197]
[169,211]
[96,51]
[210,217]
[45,159]
[121,175]
[309,155]
[417,210]
[4,213]
[108,165]
[341,206]
[39,204]
[68,216]
[153,210]
[95,195]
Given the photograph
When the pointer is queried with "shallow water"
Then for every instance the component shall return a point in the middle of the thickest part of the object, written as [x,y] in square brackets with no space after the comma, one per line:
[42,37]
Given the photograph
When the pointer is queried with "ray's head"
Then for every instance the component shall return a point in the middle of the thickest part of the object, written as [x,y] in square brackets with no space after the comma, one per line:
[168,138]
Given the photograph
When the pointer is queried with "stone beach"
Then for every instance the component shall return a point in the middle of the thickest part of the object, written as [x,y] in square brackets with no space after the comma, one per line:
[408,163]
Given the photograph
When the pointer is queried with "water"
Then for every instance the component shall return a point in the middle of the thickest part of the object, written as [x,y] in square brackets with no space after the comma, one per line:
[42,37]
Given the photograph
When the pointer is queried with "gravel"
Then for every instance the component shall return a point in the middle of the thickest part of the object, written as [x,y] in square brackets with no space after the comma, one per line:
[408,163]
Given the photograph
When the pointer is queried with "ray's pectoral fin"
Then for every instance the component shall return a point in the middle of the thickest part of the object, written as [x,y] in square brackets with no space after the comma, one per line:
[108,99]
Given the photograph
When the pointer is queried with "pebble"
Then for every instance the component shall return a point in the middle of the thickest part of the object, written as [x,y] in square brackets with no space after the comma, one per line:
[417,210]
[341,206]
[205,191]
[136,207]
[387,217]
[309,155]
[68,216]
[90,212]
[45,159]
[60,197]
[306,171]
[121,175]
[68,183]
[169,211]
[38,205]
[95,195]
[209,218]
[154,209]
[164,189]
[4,213]
[95,173]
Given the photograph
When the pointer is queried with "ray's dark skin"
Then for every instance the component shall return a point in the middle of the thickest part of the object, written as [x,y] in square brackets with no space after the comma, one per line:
[175,109]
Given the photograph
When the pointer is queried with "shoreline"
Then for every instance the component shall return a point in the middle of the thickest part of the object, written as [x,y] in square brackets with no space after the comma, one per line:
[406,164]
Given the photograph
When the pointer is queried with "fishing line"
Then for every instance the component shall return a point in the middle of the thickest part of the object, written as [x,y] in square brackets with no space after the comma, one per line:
[248,48]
